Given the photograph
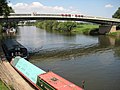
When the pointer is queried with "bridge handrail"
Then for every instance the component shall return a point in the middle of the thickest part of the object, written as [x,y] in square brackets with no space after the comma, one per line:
[102,18]
[77,16]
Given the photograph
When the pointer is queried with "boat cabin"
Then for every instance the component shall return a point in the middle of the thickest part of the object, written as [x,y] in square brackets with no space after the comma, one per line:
[52,81]
[12,48]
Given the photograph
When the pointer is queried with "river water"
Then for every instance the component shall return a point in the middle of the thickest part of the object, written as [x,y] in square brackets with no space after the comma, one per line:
[95,59]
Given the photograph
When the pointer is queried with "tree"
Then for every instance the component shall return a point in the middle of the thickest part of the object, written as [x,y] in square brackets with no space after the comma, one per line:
[55,25]
[117,14]
[11,10]
[4,8]
[67,26]
[61,26]
[70,26]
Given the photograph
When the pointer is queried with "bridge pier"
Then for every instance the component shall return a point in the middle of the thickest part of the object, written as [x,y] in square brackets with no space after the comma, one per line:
[103,29]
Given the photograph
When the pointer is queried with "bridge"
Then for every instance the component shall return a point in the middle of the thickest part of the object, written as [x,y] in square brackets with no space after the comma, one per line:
[106,24]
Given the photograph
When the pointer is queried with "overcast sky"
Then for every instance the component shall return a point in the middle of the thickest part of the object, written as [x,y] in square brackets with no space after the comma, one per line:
[104,8]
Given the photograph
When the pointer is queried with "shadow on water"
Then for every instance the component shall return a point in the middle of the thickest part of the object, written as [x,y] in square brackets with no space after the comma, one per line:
[63,51]
[104,43]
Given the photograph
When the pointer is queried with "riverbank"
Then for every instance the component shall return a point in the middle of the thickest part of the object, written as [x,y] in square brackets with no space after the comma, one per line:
[114,34]
[69,26]
[85,28]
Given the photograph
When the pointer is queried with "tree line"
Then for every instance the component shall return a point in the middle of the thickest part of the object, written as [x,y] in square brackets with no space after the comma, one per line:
[66,26]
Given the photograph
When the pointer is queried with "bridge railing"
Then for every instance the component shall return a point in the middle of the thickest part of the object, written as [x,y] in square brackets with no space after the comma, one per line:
[78,16]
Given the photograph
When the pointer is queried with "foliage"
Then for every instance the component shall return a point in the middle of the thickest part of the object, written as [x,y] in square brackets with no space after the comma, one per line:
[4,8]
[2,86]
[85,28]
[117,33]
[68,26]
[117,14]
[11,10]
[55,25]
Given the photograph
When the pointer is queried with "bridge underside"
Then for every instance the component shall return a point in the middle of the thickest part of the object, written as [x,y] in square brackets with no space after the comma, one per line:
[97,21]
[103,29]
[105,26]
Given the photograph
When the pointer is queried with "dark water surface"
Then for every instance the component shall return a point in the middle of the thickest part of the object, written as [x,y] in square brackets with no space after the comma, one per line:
[75,57]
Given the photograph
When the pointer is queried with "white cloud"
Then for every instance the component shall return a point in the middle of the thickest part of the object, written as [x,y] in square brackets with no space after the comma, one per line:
[40,8]
[36,4]
[108,6]
[10,4]
[20,6]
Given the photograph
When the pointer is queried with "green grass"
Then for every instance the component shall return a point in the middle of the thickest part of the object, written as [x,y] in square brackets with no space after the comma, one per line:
[114,33]
[3,86]
[84,28]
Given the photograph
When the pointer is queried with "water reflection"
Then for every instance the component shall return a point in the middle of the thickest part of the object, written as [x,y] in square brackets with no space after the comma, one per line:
[38,39]
[106,40]
[41,43]
[112,43]
[104,43]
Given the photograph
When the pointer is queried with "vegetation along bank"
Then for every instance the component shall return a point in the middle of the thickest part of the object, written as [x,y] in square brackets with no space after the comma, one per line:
[66,26]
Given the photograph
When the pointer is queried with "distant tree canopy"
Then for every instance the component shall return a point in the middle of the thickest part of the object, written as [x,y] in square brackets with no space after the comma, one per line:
[55,25]
[5,9]
[117,14]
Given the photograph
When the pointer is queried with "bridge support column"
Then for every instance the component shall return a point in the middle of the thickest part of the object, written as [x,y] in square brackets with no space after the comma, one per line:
[103,29]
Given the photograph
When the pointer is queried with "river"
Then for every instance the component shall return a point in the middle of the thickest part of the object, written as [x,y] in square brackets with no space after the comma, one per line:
[95,59]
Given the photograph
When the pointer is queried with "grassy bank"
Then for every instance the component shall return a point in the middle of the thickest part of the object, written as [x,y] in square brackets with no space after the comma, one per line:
[115,34]
[85,28]
[69,26]
[3,86]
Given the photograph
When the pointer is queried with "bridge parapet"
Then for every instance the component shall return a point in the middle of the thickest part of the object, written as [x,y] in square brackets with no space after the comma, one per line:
[106,24]
[75,17]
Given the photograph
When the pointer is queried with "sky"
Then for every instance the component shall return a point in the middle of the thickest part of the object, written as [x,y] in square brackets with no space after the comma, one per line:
[102,8]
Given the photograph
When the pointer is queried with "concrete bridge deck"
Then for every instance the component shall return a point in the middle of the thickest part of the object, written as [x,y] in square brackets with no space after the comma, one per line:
[74,17]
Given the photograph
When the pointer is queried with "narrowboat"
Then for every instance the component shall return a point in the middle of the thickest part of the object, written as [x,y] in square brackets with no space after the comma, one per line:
[52,81]
[13,48]
[27,69]
[41,79]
